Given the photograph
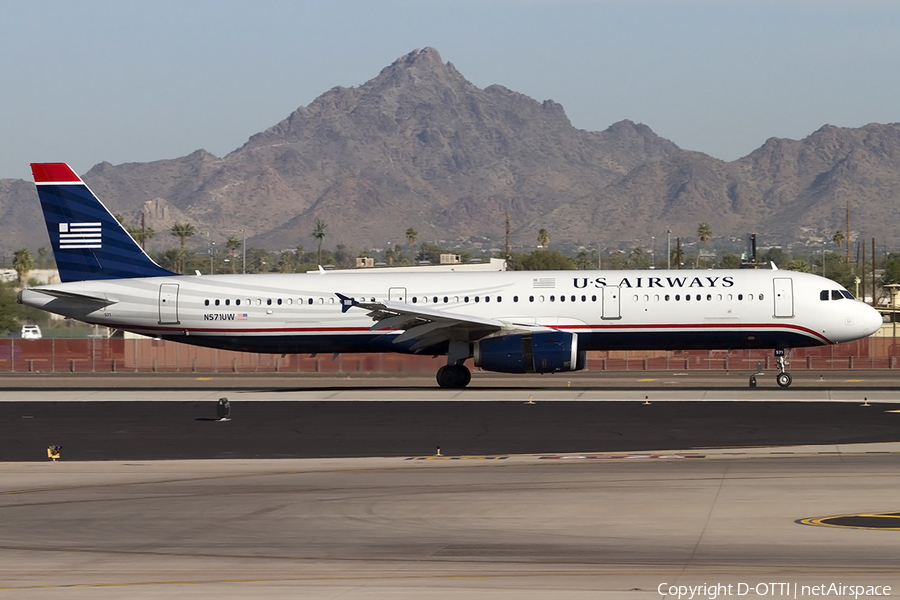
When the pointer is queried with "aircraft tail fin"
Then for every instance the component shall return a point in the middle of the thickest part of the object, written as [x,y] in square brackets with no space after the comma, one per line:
[87,240]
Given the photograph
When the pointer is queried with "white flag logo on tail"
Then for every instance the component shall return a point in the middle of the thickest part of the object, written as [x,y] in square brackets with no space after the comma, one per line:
[80,235]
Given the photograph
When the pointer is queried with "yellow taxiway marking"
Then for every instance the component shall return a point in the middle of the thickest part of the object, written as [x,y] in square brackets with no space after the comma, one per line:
[204,378]
[853,380]
[648,380]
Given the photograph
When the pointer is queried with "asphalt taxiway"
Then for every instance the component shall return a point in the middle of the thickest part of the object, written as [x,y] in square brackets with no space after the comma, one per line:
[562,496]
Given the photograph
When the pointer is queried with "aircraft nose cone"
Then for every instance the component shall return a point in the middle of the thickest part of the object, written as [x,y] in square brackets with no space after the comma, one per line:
[871,320]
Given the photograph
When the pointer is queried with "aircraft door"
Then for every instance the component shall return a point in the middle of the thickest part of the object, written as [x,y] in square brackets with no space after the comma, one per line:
[784,297]
[168,304]
[397,294]
[611,302]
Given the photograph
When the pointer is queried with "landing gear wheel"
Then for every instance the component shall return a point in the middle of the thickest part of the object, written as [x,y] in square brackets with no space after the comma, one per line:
[453,376]
[783,379]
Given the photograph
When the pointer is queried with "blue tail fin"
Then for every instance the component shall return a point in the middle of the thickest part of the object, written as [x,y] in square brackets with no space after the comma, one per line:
[88,242]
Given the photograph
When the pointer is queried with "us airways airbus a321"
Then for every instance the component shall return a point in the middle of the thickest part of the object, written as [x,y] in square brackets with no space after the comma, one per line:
[508,321]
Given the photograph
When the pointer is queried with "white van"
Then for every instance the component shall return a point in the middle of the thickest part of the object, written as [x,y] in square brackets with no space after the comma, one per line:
[31,332]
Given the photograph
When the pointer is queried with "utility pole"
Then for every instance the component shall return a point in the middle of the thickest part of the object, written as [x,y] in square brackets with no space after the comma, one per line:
[669,249]
[873,272]
[848,232]
[506,255]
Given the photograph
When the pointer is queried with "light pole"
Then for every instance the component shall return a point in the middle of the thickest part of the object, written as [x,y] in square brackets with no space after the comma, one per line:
[669,249]
[653,241]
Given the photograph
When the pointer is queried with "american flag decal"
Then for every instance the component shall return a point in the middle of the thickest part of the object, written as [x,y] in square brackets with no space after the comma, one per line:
[242,316]
[544,282]
[80,235]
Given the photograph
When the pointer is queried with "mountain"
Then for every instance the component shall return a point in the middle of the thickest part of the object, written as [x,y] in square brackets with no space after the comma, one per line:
[420,146]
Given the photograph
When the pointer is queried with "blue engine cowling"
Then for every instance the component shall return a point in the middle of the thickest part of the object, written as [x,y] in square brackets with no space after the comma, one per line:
[539,352]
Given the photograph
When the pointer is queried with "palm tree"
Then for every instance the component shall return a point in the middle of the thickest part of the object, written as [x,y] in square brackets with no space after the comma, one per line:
[319,234]
[838,238]
[543,238]
[704,232]
[232,245]
[23,262]
[183,231]
[411,235]
[42,257]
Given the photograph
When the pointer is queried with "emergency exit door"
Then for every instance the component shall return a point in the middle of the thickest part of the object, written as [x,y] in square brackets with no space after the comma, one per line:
[168,304]
[611,302]
[784,297]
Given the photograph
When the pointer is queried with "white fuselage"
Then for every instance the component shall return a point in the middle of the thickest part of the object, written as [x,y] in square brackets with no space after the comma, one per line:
[298,313]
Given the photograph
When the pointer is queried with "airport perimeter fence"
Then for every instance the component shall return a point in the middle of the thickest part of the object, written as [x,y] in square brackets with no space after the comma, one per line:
[148,356]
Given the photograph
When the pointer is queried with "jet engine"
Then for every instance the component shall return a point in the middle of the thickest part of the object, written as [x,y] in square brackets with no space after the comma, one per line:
[532,352]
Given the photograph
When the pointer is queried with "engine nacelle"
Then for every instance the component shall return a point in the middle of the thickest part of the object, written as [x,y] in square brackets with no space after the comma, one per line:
[538,352]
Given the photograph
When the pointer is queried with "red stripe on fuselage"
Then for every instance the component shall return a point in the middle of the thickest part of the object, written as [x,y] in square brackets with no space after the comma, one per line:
[599,327]
[53,172]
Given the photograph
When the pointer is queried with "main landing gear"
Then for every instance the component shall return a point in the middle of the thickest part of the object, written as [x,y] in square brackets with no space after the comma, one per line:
[455,375]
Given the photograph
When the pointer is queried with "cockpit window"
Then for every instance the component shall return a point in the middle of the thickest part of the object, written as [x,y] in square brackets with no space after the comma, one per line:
[836,295]
[823,295]
[847,295]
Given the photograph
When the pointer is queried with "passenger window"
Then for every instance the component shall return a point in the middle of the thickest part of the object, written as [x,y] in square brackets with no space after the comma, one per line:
[206,303]
[552,298]
[258,301]
[477,299]
[531,298]
[750,297]
[561,298]
[487,298]
[593,298]
[836,295]
[677,297]
[719,297]
[310,301]
[436,300]
[740,296]
[760,296]
[279,302]
[709,297]
[499,298]
[584,298]
[466,299]
[446,299]
[414,299]
[237,302]
[515,298]
[269,301]
[540,298]
[667,297]
[227,301]
[698,297]
[217,301]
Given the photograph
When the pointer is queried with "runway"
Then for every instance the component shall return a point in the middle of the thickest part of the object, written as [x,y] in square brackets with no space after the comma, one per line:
[568,497]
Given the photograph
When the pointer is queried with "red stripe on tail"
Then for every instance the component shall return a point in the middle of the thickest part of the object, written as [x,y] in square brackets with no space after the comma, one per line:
[53,172]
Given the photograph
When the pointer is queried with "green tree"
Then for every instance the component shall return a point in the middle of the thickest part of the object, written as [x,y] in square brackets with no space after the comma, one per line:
[838,238]
[543,238]
[730,261]
[23,263]
[704,232]
[411,235]
[259,261]
[286,262]
[42,257]
[183,231]
[540,260]
[232,244]
[173,259]
[801,265]
[10,311]
[319,233]
[638,259]
[586,260]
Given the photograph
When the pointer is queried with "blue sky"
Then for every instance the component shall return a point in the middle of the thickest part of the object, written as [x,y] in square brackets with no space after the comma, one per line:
[97,80]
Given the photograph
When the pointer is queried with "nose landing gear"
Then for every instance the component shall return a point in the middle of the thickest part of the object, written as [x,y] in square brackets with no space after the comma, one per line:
[783,378]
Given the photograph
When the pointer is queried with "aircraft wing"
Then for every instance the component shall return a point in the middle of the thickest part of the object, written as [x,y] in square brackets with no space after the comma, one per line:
[427,326]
